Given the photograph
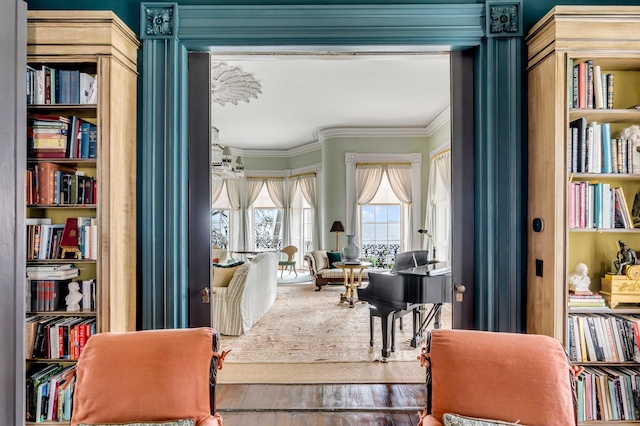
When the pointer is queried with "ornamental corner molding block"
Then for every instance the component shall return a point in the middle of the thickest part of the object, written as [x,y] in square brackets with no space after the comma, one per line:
[503,18]
[158,20]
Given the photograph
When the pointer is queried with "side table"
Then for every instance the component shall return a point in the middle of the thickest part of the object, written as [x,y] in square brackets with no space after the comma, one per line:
[351,289]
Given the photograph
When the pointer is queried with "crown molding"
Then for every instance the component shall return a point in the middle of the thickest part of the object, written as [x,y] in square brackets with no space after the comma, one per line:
[302,149]
[441,119]
[336,132]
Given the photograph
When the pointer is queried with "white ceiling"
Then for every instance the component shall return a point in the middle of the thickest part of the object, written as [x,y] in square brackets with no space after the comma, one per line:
[302,95]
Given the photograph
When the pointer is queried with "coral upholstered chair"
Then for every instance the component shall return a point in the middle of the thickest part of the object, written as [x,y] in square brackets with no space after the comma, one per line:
[148,376]
[508,377]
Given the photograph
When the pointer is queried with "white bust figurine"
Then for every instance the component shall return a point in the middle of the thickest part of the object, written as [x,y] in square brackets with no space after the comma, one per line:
[74,297]
[578,279]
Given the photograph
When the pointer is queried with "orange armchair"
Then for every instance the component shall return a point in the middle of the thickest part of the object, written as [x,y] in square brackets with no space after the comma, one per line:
[150,376]
[508,377]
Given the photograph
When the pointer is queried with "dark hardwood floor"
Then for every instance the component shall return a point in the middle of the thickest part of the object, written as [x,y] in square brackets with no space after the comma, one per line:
[327,405]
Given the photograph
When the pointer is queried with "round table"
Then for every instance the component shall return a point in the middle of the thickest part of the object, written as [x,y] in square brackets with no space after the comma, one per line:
[350,272]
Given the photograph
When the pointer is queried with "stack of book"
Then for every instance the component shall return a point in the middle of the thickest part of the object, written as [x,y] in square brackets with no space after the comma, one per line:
[47,136]
[586,300]
[47,287]
[49,393]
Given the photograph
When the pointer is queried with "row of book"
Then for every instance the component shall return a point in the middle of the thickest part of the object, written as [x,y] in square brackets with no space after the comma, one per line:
[603,337]
[57,184]
[589,87]
[593,150]
[608,394]
[49,295]
[57,337]
[50,136]
[598,205]
[45,239]
[47,85]
[50,393]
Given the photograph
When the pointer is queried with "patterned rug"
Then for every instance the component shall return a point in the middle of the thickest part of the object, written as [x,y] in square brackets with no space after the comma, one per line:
[290,277]
[308,326]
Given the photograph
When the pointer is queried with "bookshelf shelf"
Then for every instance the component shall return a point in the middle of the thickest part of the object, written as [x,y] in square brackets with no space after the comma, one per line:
[77,162]
[583,75]
[606,115]
[51,360]
[65,313]
[62,206]
[60,261]
[69,55]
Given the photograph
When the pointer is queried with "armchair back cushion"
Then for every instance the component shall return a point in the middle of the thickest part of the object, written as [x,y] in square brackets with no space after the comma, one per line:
[502,376]
[320,259]
[154,375]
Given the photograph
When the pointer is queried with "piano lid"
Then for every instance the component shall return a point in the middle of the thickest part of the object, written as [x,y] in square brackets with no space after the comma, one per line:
[429,270]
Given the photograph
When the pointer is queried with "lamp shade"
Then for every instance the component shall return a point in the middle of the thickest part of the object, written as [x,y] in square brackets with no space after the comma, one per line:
[337,227]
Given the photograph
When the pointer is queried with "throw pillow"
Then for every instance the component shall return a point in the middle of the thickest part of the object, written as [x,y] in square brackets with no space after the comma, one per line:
[457,420]
[320,259]
[222,275]
[334,256]
[181,422]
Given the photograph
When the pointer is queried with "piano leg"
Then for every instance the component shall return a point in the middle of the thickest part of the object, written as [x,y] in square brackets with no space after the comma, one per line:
[371,325]
[417,321]
[387,333]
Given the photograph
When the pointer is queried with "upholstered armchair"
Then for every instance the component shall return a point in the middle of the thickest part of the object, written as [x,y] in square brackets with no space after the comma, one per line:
[509,377]
[148,376]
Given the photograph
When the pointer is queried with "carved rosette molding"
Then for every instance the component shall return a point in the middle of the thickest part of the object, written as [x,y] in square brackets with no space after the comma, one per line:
[504,19]
[416,157]
[158,20]
[350,158]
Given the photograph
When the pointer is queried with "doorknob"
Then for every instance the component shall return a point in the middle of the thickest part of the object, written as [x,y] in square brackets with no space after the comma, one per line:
[460,289]
[204,295]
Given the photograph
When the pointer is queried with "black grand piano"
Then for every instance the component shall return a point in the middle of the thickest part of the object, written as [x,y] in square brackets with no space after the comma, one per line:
[414,281]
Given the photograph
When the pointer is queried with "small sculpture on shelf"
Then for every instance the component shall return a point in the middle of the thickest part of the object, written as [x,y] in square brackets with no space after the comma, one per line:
[579,281]
[74,297]
[626,257]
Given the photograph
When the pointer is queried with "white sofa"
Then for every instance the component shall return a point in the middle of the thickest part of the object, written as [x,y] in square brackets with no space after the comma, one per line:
[249,295]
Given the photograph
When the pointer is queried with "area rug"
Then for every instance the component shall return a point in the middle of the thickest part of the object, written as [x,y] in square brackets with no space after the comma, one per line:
[307,336]
[290,278]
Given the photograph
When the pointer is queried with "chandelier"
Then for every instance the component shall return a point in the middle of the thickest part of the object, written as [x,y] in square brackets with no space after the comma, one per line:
[231,84]
[222,166]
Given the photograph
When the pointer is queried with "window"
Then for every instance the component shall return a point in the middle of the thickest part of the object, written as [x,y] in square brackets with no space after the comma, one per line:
[382,224]
[268,228]
[267,222]
[220,228]
[307,228]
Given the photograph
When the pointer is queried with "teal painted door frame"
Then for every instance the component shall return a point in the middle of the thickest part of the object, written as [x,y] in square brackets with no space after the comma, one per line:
[492,29]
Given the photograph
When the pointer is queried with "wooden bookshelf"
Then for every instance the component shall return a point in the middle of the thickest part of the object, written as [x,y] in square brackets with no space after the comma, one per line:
[567,36]
[97,43]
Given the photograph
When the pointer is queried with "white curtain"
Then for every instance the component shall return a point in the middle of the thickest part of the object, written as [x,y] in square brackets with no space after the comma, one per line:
[277,193]
[438,214]
[235,219]
[291,186]
[400,179]
[253,186]
[310,193]
[215,193]
[368,177]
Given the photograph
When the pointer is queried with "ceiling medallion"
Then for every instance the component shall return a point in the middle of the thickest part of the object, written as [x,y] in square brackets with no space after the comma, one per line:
[231,84]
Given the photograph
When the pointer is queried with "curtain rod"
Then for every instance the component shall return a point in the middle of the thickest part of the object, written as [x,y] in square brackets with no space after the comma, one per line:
[440,154]
[383,163]
[302,174]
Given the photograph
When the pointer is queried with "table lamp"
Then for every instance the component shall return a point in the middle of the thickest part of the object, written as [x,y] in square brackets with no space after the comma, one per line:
[337,227]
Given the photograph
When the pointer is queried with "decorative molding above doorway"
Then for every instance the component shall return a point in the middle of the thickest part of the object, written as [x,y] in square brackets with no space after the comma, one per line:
[491,30]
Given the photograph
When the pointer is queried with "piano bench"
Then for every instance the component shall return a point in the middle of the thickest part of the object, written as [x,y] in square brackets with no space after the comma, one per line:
[373,312]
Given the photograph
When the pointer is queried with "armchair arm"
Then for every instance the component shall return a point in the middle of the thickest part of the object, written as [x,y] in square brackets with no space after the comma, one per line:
[312,266]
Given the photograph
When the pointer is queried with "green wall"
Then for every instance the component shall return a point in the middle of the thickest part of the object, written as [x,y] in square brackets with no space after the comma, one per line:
[129,10]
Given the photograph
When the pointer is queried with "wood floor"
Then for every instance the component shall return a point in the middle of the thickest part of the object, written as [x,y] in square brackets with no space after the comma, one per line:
[327,405]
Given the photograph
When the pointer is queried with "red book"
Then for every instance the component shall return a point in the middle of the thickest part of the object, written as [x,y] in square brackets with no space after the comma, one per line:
[582,85]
